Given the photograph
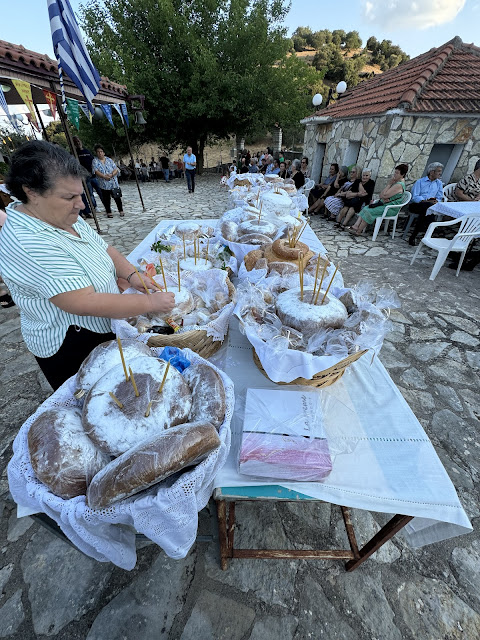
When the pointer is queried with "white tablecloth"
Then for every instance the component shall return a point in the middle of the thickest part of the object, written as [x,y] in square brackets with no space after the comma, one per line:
[385,461]
[456,209]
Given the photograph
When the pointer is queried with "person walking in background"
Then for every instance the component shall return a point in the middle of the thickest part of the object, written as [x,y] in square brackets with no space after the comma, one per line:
[190,163]
[164,161]
[85,157]
[106,171]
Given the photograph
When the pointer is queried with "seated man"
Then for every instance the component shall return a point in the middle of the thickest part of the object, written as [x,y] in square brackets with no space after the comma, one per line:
[276,167]
[425,192]
[468,189]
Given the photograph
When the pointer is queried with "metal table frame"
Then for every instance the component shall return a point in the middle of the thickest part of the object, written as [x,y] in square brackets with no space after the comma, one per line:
[226,498]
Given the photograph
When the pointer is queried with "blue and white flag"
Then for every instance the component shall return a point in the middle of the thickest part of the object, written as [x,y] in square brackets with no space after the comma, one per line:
[86,112]
[72,55]
[107,110]
[124,112]
[117,108]
[3,104]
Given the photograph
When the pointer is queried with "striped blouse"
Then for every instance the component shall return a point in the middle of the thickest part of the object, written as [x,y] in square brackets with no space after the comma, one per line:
[39,261]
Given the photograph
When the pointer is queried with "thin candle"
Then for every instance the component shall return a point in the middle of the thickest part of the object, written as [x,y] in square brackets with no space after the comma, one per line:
[330,284]
[321,281]
[300,273]
[206,255]
[134,384]
[115,399]
[157,286]
[316,277]
[195,250]
[178,271]
[160,389]
[142,280]
[303,229]
[119,342]
[163,275]
[184,250]
[147,412]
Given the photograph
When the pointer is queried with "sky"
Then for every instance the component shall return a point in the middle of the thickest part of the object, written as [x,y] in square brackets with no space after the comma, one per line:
[415,25]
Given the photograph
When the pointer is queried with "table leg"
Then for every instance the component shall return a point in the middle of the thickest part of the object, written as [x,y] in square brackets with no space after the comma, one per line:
[350,531]
[392,527]
[222,532]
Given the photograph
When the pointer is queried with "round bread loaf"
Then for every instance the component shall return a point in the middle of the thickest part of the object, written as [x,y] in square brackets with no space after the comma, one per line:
[189,264]
[208,394]
[62,455]
[116,429]
[276,204]
[229,230]
[104,357]
[284,250]
[283,268]
[252,258]
[254,238]
[184,304]
[151,461]
[307,317]
[257,226]
[187,230]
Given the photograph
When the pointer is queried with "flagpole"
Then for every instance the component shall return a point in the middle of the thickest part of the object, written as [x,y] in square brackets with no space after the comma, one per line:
[41,121]
[73,149]
[133,162]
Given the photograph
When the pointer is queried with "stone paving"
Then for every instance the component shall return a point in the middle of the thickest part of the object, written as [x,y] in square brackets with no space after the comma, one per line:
[48,589]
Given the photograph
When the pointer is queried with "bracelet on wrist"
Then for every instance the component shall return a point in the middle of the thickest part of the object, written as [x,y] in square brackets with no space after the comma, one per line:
[129,276]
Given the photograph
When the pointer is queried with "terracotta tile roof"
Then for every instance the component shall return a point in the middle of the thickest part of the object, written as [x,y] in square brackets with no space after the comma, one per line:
[15,56]
[445,79]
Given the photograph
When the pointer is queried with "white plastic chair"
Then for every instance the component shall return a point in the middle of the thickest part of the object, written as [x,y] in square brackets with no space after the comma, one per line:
[448,191]
[469,229]
[307,187]
[391,207]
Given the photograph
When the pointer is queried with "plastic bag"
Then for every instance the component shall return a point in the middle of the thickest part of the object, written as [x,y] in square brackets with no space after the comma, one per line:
[175,357]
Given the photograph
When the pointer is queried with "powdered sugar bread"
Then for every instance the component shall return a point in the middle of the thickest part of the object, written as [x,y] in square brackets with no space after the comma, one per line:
[103,358]
[257,226]
[116,429]
[307,317]
[62,455]
[208,394]
[151,461]
[188,230]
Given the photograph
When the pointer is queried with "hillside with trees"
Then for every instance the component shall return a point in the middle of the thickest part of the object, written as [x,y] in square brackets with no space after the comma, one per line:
[340,55]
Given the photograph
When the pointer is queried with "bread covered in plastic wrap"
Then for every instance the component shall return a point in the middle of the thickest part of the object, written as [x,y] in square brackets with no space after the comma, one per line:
[62,455]
[208,394]
[151,461]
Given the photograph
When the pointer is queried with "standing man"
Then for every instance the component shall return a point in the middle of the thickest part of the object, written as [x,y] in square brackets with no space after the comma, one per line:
[164,161]
[85,158]
[190,163]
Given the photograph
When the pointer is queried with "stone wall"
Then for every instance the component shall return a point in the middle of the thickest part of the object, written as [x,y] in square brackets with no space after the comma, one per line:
[387,140]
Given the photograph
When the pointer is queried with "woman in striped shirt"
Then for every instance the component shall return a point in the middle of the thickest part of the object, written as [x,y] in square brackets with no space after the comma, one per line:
[61,274]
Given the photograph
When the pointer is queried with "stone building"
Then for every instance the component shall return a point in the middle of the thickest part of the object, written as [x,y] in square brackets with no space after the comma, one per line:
[425,110]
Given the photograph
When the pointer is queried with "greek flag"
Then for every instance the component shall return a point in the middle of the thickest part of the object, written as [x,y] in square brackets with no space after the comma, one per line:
[70,50]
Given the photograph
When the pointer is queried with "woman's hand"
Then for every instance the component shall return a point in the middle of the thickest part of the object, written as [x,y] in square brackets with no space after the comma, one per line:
[162,302]
[137,284]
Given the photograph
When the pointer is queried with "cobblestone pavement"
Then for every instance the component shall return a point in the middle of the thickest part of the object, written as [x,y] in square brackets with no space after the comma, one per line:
[49,589]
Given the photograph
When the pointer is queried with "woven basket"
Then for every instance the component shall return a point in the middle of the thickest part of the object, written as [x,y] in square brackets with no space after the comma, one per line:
[322,378]
[241,182]
[197,340]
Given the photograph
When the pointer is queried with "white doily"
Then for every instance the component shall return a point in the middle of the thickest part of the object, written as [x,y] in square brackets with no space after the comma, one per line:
[168,515]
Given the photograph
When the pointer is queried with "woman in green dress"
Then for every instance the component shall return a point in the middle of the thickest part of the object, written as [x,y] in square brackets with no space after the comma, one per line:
[392,194]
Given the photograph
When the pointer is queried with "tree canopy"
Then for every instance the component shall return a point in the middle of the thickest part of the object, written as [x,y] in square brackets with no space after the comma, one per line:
[208,68]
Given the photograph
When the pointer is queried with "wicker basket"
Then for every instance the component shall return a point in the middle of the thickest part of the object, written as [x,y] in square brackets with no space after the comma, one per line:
[197,340]
[322,378]
[241,182]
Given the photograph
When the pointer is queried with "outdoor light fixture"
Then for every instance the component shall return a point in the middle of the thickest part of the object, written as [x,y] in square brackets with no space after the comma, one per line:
[5,87]
[139,119]
[341,87]
[317,99]
[47,112]
[98,115]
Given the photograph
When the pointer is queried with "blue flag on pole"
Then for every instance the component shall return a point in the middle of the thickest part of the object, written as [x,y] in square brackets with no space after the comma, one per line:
[72,55]
[124,112]
[107,110]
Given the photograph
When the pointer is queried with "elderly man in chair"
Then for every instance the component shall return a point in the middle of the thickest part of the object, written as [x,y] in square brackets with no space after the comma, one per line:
[425,193]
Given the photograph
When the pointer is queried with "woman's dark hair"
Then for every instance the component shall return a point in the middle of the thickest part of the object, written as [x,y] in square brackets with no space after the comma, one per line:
[335,166]
[99,146]
[37,165]
[403,168]
[306,159]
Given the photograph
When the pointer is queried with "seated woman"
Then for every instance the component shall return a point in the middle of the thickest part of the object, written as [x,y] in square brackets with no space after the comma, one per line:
[318,190]
[392,194]
[334,204]
[296,175]
[359,194]
[283,170]
[331,189]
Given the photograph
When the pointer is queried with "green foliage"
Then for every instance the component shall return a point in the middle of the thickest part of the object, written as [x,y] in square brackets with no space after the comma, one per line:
[159,247]
[385,54]
[56,133]
[208,68]
[10,139]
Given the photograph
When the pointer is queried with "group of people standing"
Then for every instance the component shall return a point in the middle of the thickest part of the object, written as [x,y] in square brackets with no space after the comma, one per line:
[264,162]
